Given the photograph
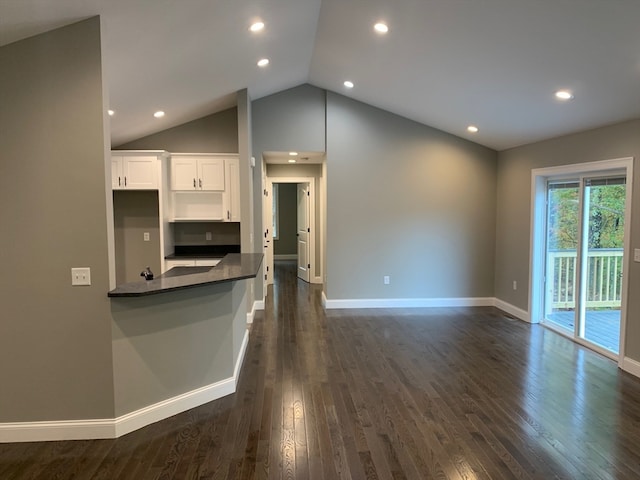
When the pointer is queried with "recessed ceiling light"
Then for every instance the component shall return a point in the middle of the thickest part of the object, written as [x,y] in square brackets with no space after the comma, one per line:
[292,160]
[564,94]
[159,114]
[472,129]
[256,27]
[111,113]
[263,62]
[348,84]
[381,27]
[293,154]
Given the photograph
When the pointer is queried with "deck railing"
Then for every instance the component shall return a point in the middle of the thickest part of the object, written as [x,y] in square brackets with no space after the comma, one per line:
[604,278]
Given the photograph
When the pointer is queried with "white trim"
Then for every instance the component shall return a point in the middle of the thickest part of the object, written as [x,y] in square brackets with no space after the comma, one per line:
[240,359]
[251,315]
[167,408]
[631,366]
[323,300]
[316,280]
[286,256]
[116,427]
[512,310]
[406,302]
[258,305]
[57,430]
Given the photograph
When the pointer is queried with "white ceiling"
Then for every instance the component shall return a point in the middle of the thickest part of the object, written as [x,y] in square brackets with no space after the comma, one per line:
[444,63]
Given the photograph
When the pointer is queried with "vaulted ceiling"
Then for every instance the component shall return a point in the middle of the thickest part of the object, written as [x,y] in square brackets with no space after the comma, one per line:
[449,64]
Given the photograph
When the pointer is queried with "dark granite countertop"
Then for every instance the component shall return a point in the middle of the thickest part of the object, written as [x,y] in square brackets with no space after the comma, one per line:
[234,266]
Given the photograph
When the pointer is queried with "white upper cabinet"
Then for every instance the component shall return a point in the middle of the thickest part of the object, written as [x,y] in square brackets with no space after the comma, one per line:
[134,172]
[189,172]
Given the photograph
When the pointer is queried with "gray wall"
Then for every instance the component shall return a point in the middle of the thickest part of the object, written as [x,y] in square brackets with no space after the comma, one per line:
[134,213]
[177,342]
[216,133]
[55,339]
[286,243]
[514,208]
[407,201]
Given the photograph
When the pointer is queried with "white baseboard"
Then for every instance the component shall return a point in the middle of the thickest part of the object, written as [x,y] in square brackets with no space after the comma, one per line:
[116,427]
[316,280]
[631,366]
[406,302]
[288,256]
[172,406]
[240,359]
[512,310]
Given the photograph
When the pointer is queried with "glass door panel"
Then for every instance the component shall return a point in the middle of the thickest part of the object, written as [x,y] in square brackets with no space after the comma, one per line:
[562,239]
[604,205]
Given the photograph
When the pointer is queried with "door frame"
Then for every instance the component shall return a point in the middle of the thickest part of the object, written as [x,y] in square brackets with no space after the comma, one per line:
[537,255]
[313,278]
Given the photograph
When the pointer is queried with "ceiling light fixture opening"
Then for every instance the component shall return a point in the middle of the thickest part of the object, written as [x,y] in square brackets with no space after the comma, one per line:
[159,114]
[472,129]
[256,26]
[293,154]
[292,160]
[564,94]
[263,62]
[348,84]
[111,113]
[381,27]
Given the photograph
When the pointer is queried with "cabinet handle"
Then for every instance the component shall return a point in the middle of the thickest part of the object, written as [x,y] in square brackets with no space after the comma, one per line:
[119,182]
[125,181]
[200,182]
[228,215]
[194,183]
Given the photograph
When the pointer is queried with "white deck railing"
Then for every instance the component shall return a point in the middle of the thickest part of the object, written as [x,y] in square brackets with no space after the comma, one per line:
[604,278]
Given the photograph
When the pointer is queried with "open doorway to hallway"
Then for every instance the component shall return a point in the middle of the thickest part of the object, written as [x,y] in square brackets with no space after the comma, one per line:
[293,213]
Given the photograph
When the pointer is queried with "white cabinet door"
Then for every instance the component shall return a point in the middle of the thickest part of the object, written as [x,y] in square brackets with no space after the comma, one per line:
[207,262]
[232,189]
[117,176]
[140,172]
[134,172]
[211,174]
[179,263]
[184,173]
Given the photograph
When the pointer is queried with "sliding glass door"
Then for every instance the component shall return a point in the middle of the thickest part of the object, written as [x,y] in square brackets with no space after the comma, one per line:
[584,251]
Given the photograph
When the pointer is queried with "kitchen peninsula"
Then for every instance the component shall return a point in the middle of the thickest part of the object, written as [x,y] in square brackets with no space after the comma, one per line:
[232,267]
[178,340]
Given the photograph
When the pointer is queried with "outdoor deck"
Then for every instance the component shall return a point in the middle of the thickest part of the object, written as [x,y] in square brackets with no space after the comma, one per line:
[602,326]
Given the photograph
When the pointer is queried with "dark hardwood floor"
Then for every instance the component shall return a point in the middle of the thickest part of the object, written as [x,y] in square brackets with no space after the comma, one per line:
[390,394]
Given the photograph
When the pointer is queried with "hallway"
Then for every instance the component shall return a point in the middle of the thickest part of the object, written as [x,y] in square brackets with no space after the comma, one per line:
[422,393]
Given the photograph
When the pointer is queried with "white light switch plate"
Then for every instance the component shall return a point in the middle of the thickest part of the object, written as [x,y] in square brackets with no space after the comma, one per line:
[81,276]
[636,254]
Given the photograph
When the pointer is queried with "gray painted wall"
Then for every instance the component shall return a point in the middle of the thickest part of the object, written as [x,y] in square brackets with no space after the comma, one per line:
[134,213]
[408,201]
[287,242]
[169,344]
[55,339]
[217,133]
[514,208]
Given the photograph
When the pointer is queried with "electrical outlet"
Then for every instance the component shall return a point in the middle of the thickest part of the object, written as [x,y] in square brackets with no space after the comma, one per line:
[146,236]
[208,236]
[515,285]
[387,280]
[636,254]
[81,276]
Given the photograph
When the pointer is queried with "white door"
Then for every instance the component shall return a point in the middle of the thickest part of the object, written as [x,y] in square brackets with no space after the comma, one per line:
[303,232]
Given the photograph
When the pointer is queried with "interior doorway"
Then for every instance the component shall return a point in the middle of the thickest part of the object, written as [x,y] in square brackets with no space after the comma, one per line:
[580,250]
[304,216]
